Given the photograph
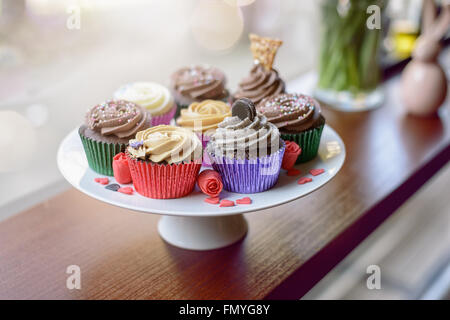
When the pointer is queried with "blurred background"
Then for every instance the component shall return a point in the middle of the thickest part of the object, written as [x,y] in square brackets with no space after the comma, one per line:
[60,57]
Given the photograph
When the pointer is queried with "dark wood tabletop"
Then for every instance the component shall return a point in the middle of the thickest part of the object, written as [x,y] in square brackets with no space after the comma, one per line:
[287,250]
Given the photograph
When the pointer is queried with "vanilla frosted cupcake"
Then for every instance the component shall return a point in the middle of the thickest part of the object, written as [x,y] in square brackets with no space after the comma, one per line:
[204,117]
[155,98]
[246,150]
[164,161]
[107,129]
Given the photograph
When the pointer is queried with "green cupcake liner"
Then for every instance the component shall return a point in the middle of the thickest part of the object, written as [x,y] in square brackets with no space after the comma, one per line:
[308,140]
[100,154]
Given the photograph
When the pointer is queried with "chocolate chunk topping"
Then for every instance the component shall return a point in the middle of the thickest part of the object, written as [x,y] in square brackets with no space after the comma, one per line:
[243,108]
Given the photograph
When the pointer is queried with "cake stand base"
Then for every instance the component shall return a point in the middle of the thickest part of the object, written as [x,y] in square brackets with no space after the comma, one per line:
[202,233]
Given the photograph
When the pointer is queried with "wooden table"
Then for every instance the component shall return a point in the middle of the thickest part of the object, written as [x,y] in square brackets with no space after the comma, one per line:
[287,250]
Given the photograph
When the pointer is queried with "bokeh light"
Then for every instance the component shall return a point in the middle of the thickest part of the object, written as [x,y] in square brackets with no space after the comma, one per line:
[37,114]
[239,3]
[216,25]
[17,140]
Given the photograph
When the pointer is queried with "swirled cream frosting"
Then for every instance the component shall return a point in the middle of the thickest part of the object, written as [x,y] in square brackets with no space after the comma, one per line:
[152,96]
[260,84]
[198,83]
[166,144]
[292,113]
[204,116]
[244,138]
[119,118]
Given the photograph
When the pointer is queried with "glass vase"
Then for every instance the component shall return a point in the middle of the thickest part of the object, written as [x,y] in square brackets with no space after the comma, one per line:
[349,70]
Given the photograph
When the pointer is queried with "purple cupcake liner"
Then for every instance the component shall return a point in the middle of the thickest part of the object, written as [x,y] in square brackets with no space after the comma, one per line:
[249,176]
[164,118]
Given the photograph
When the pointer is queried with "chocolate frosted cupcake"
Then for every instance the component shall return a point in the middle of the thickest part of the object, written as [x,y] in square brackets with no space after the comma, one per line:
[263,81]
[164,161]
[260,84]
[198,83]
[299,119]
[107,129]
[246,150]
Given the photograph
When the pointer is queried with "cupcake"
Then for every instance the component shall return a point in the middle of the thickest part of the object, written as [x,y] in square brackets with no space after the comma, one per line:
[246,150]
[198,83]
[204,117]
[107,129]
[153,97]
[298,118]
[164,161]
[263,81]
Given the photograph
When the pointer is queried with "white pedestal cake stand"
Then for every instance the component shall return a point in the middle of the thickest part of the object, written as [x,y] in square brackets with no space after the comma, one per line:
[189,222]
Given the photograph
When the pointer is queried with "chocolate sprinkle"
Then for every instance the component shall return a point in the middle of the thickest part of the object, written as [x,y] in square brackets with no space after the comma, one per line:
[243,108]
[113,187]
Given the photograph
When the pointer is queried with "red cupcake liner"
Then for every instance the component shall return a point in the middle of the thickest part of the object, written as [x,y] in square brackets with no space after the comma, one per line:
[163,181]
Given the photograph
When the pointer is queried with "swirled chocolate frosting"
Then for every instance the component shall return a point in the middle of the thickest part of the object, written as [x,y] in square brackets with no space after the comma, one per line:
[292,113]
[119,118]
[198,83]
[260,84]
[244,138]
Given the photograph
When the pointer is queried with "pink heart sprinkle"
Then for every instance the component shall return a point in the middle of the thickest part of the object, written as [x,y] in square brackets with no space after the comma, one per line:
[316,172]
[304,180]
[293,172]
[226,203]
[212,200]
[245,200]
[126,190]
[102,180]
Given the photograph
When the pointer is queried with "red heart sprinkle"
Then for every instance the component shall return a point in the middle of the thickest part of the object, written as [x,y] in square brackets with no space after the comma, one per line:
[212,200]
[316,172]
[245,200]
[102,180]
[293,172]
[126,190]
[226,203]
[304,180]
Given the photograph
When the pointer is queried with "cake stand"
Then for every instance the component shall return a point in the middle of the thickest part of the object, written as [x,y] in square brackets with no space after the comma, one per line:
[189,222]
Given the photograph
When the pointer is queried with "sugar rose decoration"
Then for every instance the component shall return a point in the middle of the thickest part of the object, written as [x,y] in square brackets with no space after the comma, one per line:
[291,154]
[210,183]
[121,169]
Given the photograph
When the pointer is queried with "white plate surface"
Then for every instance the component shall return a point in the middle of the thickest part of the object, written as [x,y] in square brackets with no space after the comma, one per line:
[73,165]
